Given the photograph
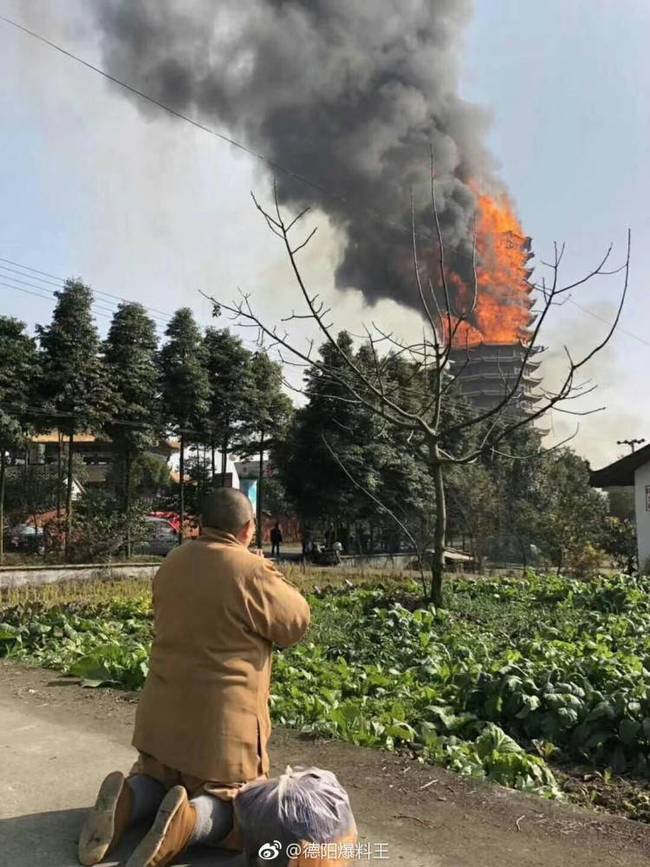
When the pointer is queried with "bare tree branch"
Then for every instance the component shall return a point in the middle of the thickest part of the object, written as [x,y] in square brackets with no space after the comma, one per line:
[410,386]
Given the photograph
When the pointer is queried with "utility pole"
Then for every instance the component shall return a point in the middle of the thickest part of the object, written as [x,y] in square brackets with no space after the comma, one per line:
[631,443]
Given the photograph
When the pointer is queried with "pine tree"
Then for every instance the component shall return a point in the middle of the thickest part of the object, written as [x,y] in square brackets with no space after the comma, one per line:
[184,387]
[72,383]
[368,449]
[316,485]
[130,358]
[268,410]
[18,373]
[227,362]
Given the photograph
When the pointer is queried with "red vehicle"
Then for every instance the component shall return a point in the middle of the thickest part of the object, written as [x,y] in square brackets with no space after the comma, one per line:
[190,530]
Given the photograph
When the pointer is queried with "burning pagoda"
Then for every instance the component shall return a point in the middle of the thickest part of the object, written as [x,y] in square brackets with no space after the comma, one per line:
[489,355]
[489,371]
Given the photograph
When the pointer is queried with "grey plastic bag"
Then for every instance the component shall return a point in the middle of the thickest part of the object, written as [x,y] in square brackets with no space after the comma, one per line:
[303,804]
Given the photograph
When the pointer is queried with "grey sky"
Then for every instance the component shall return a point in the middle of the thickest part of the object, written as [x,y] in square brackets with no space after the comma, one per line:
[155,210]
[568,84]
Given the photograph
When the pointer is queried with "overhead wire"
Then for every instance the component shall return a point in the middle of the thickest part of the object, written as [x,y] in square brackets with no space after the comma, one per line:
[606,322]
[45,297]
[273,164]
[50,292]
[59,282]
[461,407]
[180,115]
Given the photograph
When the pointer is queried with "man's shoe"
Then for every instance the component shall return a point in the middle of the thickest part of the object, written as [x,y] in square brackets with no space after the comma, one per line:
[170,833]
[107,821]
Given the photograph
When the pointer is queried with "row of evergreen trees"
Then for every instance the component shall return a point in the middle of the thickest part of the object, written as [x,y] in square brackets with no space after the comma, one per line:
[203,388]
[338,465]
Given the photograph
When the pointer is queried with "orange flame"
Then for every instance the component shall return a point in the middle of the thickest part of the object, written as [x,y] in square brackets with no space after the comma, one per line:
[502,310]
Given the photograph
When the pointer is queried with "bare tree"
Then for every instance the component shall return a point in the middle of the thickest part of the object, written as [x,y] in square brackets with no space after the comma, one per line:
[425,427]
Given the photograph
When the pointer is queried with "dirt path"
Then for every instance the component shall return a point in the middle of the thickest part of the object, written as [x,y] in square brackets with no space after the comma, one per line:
[57,740]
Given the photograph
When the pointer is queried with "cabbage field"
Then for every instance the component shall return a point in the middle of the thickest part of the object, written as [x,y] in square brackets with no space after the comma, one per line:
[537,683]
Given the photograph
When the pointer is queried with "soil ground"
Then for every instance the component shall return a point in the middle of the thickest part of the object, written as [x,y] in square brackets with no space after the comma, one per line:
[57,740]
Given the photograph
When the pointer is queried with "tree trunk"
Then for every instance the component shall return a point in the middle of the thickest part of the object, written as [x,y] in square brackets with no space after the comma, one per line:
[127,502]
[68,499]
[474,552]
[524,556]
[213,447]
[259,540]
[59,486]
[439,539]
[224,461]
[3,476]
[181,492]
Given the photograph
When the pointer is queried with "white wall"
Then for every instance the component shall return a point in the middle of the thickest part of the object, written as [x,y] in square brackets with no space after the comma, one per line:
[642,507]
[175,459]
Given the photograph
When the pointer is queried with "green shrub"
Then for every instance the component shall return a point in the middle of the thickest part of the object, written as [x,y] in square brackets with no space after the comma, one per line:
[515,672]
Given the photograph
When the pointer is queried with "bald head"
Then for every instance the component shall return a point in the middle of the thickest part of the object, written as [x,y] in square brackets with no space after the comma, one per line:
[227,510]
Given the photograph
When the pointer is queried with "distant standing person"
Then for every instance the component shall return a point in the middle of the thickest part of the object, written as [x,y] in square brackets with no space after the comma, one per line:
[276,539]
[307,542]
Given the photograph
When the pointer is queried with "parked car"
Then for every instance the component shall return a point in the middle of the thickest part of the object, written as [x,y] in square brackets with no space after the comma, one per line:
[320,556]
[162,536]
[24,537]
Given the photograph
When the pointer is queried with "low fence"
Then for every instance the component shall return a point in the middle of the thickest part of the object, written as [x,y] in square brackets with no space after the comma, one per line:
[381,561]
[37,576]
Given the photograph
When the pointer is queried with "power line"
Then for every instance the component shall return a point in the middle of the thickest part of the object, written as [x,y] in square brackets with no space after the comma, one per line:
[271,163]
[46,277]
[50,292]
[602,319]
[26,291]
[633,443]
[59,282]
[56,282]
[45,297]
[39,295]
[132,89]
[234,143]
[465,410]
[101,310]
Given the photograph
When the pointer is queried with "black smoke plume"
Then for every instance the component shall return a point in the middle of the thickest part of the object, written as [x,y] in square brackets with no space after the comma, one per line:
[351,94]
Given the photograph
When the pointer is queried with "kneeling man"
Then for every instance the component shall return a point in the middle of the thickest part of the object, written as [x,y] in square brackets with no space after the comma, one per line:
[202,723]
